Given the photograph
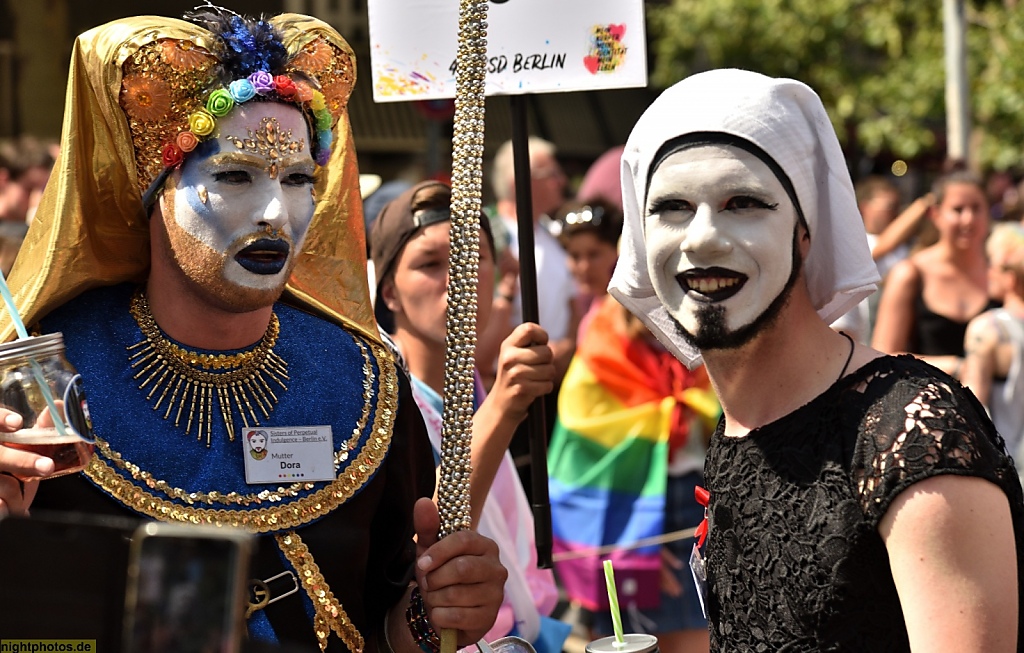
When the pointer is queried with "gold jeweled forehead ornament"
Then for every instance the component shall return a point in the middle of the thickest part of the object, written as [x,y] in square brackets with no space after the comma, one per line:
[269,141]
[173,93]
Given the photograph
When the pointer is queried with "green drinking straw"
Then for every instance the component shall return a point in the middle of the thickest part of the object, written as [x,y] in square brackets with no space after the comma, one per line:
[613,602]
[37,370]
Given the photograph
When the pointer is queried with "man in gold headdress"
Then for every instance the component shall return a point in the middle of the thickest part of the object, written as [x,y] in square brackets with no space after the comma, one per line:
[200,247]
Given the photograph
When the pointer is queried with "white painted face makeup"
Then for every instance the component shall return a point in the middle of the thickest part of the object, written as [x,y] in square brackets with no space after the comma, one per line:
[241,211]
[719,228]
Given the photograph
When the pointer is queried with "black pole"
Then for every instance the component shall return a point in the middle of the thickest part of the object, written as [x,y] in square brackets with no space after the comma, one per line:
[535,422]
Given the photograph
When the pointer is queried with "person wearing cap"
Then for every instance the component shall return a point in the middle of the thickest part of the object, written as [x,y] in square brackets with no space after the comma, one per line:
[201,251]
[409,246]
[856,501]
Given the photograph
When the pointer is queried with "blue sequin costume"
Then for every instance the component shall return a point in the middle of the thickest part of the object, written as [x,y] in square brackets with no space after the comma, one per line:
[358,528]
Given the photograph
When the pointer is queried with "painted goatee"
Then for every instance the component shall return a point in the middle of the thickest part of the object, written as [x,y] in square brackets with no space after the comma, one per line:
[712,330]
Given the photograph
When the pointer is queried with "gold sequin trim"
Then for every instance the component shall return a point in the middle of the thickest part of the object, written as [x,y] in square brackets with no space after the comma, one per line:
[276,518]
[234,498]
[329,615]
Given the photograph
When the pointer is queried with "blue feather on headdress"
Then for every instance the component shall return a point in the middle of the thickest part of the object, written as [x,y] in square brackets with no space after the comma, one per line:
[249,44]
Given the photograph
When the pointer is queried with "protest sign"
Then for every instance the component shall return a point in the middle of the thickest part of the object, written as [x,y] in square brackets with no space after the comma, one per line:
[533,46]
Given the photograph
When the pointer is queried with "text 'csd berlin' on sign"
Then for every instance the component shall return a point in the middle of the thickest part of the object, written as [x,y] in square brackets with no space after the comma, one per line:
[533,46]
[521,62]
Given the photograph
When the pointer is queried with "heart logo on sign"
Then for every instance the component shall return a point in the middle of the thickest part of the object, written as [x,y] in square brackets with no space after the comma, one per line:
[591,63]
[617,31]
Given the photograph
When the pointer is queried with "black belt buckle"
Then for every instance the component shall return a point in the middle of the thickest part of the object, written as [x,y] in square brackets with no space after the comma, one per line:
[264,592]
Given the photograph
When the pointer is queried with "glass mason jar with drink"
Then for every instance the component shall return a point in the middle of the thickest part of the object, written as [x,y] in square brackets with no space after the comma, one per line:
[38,383]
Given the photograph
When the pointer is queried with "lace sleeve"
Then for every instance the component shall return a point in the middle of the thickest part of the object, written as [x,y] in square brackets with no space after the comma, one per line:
[918,427]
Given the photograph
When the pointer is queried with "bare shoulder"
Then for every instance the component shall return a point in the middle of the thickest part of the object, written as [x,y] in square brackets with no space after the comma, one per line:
[924,258]
[904,276]
[983,333]
[933,505]
[954,563]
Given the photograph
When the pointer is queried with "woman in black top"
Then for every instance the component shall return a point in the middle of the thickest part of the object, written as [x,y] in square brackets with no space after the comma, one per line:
[930,297]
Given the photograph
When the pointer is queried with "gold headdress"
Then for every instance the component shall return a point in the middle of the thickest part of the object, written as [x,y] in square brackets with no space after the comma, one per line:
[135,87]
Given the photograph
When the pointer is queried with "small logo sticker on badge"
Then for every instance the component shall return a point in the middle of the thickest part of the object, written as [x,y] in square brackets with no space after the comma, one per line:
[257,444]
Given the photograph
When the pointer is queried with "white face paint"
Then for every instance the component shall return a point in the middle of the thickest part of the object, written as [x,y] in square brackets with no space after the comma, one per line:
[241,211]
[719,229]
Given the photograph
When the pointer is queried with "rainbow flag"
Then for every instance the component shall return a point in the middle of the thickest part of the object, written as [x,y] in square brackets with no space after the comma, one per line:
[608,458]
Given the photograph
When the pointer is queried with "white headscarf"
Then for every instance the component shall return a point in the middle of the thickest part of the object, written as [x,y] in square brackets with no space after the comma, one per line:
[786,119]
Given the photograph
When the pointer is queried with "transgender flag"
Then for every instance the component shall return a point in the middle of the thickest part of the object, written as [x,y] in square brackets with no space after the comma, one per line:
[624,402]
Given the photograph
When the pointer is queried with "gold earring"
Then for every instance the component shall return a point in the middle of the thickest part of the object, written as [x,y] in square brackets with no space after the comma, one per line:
[203,195]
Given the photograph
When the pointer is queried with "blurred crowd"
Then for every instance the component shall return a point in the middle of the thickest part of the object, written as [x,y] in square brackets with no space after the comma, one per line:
[624,417]
[25,164]
[690,296]
[951,260]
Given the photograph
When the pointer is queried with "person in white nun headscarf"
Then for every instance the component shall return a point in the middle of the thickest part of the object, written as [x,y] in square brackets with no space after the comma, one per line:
[857,501]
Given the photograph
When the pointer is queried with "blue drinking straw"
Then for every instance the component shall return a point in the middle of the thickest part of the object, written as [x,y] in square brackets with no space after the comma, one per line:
[37,370]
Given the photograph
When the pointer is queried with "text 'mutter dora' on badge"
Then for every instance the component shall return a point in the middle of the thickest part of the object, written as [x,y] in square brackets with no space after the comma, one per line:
[288,454]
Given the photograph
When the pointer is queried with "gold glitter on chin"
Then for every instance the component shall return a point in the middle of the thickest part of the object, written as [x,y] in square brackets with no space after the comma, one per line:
[204,268]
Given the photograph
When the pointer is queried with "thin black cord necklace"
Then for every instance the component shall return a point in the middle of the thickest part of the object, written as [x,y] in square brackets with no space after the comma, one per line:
[849,357]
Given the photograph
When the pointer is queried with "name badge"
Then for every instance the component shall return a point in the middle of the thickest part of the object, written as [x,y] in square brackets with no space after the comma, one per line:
[698,566]
[288,454]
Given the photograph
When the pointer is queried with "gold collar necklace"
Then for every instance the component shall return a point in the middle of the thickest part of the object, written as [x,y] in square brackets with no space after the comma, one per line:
[240,381]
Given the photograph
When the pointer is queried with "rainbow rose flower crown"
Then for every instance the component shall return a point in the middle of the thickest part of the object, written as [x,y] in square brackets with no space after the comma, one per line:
[173,91]
[219,103]
[202,123]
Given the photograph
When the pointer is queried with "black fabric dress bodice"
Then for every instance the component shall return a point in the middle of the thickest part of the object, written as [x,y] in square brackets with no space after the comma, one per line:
[795,560]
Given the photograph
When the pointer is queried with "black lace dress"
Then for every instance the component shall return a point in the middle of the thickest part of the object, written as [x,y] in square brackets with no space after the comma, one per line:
[795,561]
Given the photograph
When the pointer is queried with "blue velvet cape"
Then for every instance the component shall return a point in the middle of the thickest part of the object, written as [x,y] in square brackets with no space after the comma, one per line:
[358,527]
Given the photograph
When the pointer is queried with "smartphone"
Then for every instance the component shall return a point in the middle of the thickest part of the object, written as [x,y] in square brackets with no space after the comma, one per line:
[62,577]
[186,589]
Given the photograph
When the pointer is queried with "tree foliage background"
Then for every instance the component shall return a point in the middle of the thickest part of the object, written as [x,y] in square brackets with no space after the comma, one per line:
[877,64]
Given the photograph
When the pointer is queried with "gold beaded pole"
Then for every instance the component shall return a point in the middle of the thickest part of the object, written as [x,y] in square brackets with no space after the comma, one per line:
[467,175]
